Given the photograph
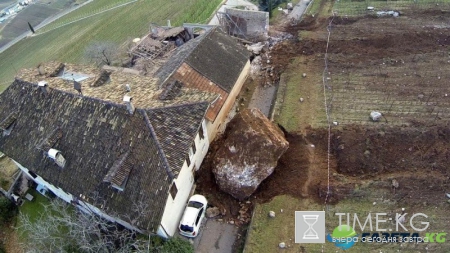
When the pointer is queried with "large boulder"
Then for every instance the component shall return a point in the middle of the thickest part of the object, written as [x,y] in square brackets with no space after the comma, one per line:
[249,153]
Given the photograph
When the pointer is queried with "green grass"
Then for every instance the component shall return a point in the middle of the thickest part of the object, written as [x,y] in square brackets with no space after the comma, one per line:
[32,209]
[266,233]
[35,207]
[315,7]
[69,42]
[293,113]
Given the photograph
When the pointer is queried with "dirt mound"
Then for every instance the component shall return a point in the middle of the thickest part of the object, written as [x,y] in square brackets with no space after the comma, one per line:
[370,151]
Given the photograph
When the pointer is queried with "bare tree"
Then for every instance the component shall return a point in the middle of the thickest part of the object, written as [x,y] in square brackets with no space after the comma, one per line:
[60,228]
[63,228]
[102,52]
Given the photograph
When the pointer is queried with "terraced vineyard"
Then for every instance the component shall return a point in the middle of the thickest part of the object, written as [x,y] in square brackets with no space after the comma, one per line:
[357,8]
[68,42]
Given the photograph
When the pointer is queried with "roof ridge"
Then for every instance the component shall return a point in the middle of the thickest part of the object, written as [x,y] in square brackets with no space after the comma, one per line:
[174,106]
[72,95]
[152,132]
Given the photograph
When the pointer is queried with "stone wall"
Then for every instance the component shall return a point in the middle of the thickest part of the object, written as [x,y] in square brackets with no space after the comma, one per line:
[247,24]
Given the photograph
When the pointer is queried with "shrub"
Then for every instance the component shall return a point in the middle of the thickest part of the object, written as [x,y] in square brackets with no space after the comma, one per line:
[7,210]
[177,245]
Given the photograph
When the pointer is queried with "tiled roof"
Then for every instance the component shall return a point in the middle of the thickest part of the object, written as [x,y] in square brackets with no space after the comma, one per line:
[144,90]
[176,128]
[220,58]
[103,145]
[192,79]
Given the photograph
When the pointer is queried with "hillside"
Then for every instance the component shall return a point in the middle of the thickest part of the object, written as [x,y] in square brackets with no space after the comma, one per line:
[68,42]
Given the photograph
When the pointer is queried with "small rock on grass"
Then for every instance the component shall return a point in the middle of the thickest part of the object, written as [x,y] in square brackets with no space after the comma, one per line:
[282,245]
[272,214]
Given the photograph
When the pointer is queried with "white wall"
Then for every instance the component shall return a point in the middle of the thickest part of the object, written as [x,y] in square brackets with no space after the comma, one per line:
[213,127]
[175,207]
[83,206]
[39,180]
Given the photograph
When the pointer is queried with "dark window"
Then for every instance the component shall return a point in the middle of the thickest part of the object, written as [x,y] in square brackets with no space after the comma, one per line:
[32,174]
[173,190]
[194,149]
[187,228]
[195,204]
[200,133]
[188,160]
[198,216]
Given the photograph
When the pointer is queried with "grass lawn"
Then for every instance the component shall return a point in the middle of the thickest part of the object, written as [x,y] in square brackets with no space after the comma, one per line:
[68,42]
[35,207]
[295,115]
[266,233]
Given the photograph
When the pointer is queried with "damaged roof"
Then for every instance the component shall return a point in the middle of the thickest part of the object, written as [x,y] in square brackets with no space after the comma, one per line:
[214,54]
[144,89]
[220,58]
[105,147]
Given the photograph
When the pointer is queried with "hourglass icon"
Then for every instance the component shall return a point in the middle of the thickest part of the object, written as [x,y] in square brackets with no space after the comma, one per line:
[310,220]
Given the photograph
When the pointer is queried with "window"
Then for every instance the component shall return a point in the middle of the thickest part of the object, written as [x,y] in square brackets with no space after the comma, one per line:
[173,190]
[32,174]
[194,149]
[200,132]
[188,160]
[198,216]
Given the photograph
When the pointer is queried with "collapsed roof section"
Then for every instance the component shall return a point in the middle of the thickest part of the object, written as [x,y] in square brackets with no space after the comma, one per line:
[111,84]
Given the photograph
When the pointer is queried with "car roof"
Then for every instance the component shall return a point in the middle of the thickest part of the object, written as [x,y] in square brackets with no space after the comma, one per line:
[198,198]
[189,216]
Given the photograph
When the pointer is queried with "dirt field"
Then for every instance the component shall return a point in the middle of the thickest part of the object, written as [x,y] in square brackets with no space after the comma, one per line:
[398,66]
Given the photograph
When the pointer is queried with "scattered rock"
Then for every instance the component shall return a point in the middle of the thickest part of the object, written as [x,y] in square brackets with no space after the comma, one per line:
[220,220]
[272,214]
[282,245]
[281,210]
[255,48]
[367,153]
[375,116]
[374,203]
[304,75]
[335,123]
[301,99]
[239,173]
[212,212]
[420,96]
[394,183]
[232,222]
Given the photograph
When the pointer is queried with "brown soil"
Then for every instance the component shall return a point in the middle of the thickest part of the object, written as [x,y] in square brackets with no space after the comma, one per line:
[393,59]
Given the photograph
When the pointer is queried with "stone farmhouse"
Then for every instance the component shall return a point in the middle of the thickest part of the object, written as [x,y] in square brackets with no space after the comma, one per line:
[119,144]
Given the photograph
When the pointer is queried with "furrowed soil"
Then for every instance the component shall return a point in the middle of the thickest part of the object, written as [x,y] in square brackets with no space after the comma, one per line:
[397,66]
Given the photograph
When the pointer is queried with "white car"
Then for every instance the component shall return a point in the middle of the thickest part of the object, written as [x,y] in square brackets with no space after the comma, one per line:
[193,216]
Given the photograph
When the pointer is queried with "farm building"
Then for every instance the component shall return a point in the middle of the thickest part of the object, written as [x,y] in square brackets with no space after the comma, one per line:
[114,142]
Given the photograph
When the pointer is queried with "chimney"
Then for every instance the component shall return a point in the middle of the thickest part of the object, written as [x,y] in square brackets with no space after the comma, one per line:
[43,86]
[57,157]
[77,87]
[130,107]
[128,87]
